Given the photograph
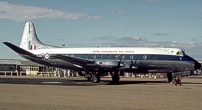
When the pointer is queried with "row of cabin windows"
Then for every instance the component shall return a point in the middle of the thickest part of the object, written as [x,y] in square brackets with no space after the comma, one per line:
[109,56]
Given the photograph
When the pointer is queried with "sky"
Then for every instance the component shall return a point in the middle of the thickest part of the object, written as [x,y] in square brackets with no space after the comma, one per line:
[158,23]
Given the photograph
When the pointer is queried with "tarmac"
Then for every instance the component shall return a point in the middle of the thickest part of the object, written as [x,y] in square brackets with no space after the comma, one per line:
[48,93]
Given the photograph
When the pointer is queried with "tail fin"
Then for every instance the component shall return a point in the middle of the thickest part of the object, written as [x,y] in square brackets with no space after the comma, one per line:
[30,41]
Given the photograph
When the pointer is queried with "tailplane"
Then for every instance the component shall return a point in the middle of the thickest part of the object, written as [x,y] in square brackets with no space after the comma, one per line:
[30,41]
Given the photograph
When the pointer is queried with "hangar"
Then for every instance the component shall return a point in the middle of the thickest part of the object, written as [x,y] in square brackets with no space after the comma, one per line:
[23,67]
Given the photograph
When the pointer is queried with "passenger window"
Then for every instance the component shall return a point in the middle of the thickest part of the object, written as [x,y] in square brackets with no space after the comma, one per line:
[144,57]
[131,57]
[104,56]
[99,56]
[78,55]
[153,57]
[122,57]
[116,57]
[178,53]
[108,56]
[83,56]
[127,57]
[86,56]
[113,56]
[93,56]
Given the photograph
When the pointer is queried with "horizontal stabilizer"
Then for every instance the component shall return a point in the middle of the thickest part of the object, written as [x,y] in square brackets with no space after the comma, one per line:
[17,49]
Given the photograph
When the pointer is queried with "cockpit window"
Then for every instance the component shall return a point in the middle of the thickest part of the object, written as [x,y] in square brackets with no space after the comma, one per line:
[180,53]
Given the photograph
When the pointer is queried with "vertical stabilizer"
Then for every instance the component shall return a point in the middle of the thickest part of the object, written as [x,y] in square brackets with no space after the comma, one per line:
[30,41]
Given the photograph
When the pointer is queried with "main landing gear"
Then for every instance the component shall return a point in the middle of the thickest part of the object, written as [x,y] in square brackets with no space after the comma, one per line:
[170,77]
[115,76]
[94,77]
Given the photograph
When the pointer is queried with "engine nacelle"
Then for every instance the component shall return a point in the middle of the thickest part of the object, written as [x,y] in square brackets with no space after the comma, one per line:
[120,64]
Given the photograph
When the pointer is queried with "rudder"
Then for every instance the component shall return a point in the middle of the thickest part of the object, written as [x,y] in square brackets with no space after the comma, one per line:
[29,39]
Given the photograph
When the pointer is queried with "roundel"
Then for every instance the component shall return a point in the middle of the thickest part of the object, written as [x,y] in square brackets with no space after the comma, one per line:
[46,56]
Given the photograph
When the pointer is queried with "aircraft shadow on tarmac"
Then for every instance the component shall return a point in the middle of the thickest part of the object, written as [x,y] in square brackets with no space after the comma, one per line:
[192,82]
[68,82]
[135,82]
[46,81]
[75,82]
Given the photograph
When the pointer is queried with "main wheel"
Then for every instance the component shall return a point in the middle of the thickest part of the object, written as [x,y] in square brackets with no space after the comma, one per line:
[96,78]
[88,77]
[115,77]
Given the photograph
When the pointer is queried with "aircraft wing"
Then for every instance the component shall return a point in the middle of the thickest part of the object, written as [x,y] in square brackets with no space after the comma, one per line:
[28,55]
[37,60]
[75,60]
[18,49]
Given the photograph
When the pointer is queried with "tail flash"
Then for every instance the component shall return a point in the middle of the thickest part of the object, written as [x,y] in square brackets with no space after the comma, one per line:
[29,39]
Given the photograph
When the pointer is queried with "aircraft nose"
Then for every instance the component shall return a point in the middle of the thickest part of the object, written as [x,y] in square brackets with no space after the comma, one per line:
[197,65]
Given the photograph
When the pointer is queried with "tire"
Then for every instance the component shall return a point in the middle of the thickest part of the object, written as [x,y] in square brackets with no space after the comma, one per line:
[115,79]
[96,79]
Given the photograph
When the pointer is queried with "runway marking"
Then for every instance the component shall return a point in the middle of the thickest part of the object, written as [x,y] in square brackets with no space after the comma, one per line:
[52,82]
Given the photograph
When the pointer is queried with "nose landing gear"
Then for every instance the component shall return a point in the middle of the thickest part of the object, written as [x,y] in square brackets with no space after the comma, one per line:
[170,77]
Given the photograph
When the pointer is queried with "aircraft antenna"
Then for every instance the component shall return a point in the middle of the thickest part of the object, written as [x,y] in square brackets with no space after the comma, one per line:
[184,49]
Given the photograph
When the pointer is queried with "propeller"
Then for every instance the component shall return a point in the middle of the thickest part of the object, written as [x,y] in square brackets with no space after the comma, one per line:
[121,62]
[133,64]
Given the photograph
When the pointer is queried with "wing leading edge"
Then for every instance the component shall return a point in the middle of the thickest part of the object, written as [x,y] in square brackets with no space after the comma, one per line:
[28,55]
[18,49]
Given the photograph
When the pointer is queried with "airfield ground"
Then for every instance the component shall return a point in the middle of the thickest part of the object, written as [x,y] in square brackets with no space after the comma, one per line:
[34,93]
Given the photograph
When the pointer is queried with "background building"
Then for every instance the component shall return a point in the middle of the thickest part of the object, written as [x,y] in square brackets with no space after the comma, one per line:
[20,67]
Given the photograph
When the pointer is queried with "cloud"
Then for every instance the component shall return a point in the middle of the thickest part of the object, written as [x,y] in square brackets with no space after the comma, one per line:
[123,39]
[160,34]
[198,17]
[117,13]
[195,39]
[107,38]
[154,0]
[200,37]
[133,38]
[94,17]
[193,49]
[23,13]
